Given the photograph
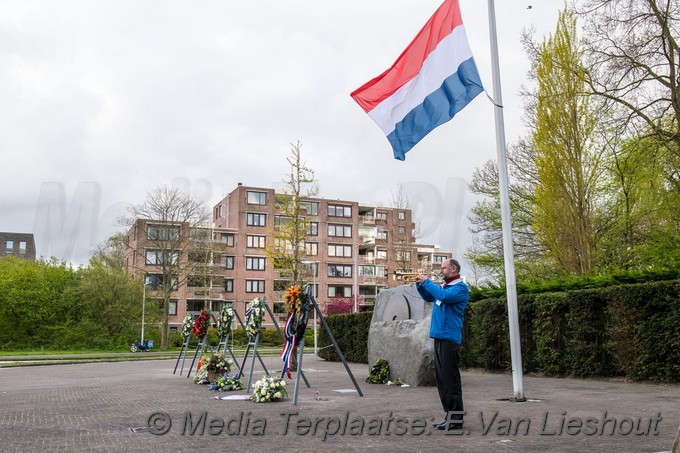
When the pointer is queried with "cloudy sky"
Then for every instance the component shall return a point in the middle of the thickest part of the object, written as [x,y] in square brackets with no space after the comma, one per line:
[103,100]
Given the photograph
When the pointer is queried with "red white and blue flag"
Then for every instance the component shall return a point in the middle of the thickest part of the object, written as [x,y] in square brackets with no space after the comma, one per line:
[431,81]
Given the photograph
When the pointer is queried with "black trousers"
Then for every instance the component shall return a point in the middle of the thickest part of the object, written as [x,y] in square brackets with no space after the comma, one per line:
[446,360]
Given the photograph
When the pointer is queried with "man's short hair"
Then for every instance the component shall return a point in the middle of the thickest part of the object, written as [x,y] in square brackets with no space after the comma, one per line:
[455,263]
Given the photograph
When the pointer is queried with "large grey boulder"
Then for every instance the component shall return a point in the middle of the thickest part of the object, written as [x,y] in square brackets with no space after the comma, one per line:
[400,334]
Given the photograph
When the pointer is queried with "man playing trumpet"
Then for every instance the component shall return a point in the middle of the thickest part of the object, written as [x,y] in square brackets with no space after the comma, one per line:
[446,328]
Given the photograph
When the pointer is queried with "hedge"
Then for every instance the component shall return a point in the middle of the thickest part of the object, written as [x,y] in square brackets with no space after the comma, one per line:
[626,330]
[630,330]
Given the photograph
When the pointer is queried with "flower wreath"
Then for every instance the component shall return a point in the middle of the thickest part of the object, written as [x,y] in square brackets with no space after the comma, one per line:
[217,363]
[224,323]
[269,389]
[254,314]
[298,302]
[201,324]
[227,384]
[187,326]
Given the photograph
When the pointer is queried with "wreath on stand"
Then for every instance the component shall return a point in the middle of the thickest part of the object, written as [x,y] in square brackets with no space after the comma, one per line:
[201,324]
[187,327]
[224,323]
[254,315]
[299,304]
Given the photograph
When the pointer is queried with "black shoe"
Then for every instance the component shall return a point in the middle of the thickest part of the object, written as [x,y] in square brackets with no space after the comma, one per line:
[436,424]
[450,425]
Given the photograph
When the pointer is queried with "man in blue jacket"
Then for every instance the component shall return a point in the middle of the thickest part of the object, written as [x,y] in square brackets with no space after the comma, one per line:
[446,327]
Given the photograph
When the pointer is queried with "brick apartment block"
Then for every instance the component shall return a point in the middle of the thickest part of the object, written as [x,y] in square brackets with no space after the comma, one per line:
[344,237]
[21,245]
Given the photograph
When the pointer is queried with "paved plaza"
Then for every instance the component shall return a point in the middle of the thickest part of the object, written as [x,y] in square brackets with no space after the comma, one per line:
[141,406]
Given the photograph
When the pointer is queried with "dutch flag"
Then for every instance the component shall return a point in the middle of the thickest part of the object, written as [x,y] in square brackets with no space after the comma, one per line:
[431,81]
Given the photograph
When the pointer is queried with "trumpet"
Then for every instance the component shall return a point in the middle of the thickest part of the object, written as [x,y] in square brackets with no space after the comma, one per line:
[411,277]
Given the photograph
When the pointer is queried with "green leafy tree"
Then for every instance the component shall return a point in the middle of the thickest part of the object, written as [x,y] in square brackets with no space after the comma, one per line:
[36,301]
[109,299]
[567,158]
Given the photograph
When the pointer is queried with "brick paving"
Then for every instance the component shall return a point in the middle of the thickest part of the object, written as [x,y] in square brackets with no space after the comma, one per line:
[102,406]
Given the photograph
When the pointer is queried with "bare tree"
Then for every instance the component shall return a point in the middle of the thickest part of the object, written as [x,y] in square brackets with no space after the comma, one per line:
[633,57]
[168,216]
[290,231]
[404,236]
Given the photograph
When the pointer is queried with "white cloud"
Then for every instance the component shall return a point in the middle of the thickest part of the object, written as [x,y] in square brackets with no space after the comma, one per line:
[129,95]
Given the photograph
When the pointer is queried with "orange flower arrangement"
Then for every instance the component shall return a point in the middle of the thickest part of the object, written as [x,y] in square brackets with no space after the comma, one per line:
[293,298]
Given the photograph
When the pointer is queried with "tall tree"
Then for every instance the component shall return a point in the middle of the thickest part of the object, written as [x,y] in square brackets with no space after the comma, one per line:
[633,57]
[110,300]
[404,236]
[486,254]
[567,161]
[290,229]
[170,215]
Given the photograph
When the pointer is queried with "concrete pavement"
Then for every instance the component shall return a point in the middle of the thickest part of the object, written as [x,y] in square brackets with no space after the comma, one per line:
[142,406]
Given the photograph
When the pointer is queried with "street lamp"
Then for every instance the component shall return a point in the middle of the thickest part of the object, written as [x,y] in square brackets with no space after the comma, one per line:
[143,306]
[316,348]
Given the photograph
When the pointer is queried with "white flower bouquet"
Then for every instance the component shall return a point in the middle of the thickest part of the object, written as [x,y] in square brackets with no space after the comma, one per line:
[269,389]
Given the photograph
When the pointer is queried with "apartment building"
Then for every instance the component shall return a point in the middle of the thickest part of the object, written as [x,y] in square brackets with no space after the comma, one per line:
[20,245]
[351,248]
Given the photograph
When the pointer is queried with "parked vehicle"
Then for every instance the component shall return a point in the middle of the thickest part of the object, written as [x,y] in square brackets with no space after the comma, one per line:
[145,346]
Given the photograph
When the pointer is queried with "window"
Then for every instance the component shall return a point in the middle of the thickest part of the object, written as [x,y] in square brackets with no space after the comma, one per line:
[402,230]
[281,285]
[381,254]
[9,246]
[340,250]
[155,282]
[402,215]
[227,261]
[255,263]
[312,248]
[309,207]
[367,271]
[339,270]
[313,229]
[281,220]
[158,257]
[256,242]
[172,308]
[339,291]
[257,197]
[162,233]
[254,286]
[228,285]
[195,305]
[340,230]
[339,211]
[438,259]
[255,219]
[381,215]
[227,239]
[403,255]
[381,234]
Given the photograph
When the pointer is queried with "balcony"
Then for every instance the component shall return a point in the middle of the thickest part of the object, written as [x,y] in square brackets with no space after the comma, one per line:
[367,220]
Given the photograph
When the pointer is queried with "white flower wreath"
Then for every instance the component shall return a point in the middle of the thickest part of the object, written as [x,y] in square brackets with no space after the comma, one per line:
[187,326]
[255,319]
[224,323]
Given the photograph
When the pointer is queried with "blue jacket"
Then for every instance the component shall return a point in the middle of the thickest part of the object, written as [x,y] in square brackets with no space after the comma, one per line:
[448,310]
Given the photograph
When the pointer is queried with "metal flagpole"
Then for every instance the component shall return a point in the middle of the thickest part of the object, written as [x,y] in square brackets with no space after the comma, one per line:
[503,184]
